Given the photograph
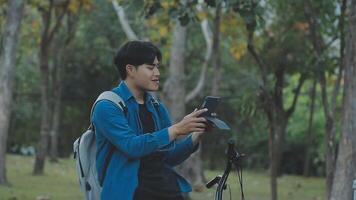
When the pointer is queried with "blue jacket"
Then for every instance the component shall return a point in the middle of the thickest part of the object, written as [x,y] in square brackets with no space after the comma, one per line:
[126,134]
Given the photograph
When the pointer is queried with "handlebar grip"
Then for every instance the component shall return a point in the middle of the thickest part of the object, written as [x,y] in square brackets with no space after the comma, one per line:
[214,181]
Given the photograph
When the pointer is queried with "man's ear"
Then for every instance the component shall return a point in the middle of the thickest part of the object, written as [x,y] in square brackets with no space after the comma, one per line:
[130,69]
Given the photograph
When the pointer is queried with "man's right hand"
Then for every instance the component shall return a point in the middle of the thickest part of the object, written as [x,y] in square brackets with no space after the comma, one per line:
[190,123]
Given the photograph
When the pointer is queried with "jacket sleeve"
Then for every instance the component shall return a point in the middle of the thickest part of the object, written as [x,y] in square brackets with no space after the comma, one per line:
[183,148]
[110,121]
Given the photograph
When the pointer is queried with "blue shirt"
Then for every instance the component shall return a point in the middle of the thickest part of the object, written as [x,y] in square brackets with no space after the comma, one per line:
[126,134]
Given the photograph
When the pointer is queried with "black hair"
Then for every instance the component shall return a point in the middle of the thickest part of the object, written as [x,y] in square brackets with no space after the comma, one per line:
[135,53]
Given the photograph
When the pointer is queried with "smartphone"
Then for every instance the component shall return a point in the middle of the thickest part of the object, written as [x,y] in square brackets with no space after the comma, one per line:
[211,103]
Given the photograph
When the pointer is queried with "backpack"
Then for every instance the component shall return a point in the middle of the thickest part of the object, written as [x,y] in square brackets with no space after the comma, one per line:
[84,149]
[85,153]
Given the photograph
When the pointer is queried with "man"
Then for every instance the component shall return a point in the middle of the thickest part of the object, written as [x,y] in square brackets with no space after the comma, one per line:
[145,141]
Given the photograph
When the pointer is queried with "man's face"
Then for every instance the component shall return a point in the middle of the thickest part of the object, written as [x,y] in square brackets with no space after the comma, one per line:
[146,76]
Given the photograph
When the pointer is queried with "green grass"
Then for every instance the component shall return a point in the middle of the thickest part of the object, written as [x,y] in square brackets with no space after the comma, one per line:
[257,187]
[60,183]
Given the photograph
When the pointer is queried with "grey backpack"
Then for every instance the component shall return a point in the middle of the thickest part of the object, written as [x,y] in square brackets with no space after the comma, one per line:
[85,153]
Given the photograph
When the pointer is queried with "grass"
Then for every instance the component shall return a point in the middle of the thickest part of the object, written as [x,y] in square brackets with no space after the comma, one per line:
[60,183]
[256,187]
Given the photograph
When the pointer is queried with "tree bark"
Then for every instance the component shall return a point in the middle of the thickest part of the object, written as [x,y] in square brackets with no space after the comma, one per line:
[44,56]
[174,97]
[276,136]
[57,95]
[345,171]
[174,87]
[45,108]
[57,86]
[120,12]
[329,107]
[275,112]
[7,73]
[309,137]
[208,54]
[216,49]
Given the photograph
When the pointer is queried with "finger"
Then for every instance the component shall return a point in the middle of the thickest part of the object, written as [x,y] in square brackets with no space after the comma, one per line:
[199,125]
[199,112]
[200,133]
[198,130]
[199,119]
[190,114]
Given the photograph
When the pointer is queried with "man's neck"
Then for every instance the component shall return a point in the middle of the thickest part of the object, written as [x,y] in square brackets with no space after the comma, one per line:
[136,92]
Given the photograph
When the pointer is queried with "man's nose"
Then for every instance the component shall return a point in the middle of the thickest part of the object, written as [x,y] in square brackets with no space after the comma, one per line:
[156,71]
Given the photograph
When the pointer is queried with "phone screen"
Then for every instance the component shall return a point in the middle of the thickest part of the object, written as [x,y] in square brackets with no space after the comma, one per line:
[211,103]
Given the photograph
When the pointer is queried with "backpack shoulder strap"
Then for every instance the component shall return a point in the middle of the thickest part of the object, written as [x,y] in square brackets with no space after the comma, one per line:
[113,97]
[118,101]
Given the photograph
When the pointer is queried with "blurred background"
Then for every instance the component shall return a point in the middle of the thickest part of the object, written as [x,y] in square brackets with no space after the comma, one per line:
[282,69]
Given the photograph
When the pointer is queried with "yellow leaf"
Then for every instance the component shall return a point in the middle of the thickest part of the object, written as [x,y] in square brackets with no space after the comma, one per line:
[163,31]
[238,50]
[165,5]
[73,6]
[237,55]
[202,15]
[223,28]
[152,21]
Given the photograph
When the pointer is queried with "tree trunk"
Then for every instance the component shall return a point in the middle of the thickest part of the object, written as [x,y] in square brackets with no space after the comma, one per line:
[330,154]
[174,96]
[273,107]
[275,148]
[45,47]
[174,87]
[309,138]
[345,171]
[329,107]
[57,93]
[120,12]
[7,73]
[208,54]
[42,146]
[193,167]
[216,50]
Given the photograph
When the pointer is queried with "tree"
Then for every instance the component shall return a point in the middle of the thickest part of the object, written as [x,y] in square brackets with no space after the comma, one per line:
[309,137]
[175,97]
[345,171]
[62,43]
[50,28]
[329,100]
[271,96]
[7,72]
[53,12]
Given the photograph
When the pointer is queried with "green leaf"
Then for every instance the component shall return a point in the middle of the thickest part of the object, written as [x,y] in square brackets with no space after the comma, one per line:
[210,3]
[184,20]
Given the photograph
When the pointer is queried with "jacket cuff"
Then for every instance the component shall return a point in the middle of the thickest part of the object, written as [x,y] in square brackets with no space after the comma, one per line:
[163,140]
[193,148]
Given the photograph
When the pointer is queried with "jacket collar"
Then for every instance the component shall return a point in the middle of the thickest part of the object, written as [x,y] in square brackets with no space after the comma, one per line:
[126,94]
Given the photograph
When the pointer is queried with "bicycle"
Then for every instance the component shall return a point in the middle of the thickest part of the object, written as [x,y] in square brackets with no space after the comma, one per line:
[232,159]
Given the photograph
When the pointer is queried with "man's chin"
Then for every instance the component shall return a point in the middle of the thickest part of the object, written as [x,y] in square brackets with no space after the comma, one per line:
[152,89]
